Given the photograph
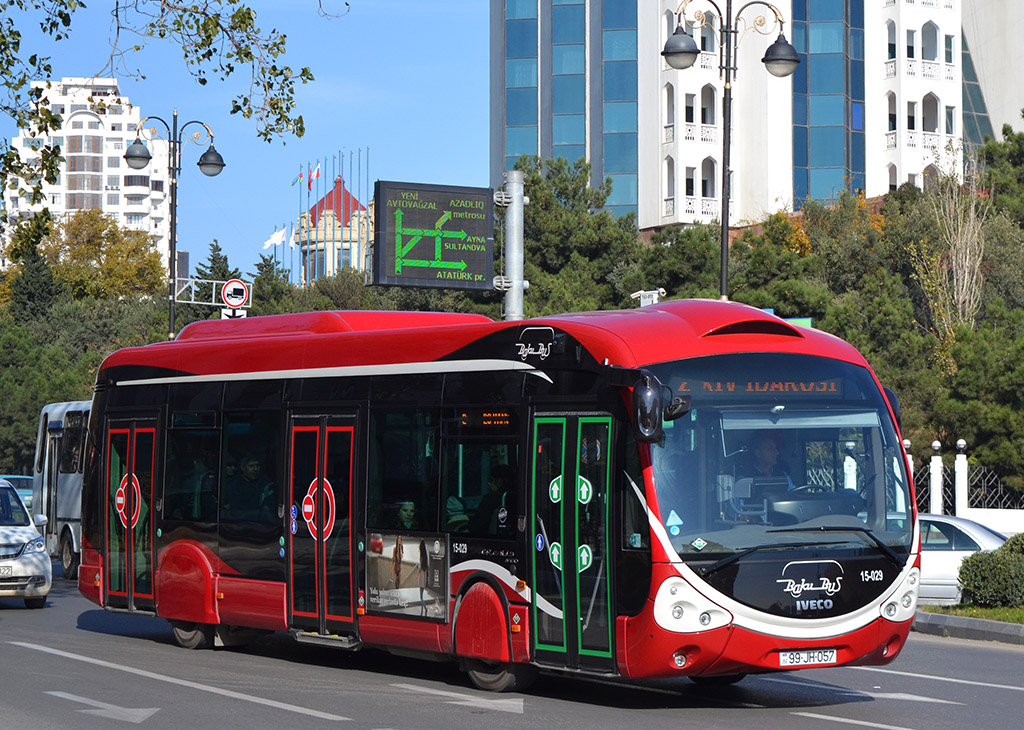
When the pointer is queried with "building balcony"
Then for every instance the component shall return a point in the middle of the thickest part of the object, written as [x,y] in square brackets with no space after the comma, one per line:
[690,132]
[707,60]
[709,207]
[930,70]
[890,140]
[669,134]
[931,140]
[950,72]
[669,208]
[890,68]
[911,138]
[911,68]
[708,133]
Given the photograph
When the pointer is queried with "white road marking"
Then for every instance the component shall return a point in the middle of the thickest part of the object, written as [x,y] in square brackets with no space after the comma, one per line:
[111,712]
[848,721]
[184,683]
[486,703]
[903,696]
[951,680]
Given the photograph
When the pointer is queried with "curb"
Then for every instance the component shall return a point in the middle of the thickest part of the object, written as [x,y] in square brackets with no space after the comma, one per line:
[961,627]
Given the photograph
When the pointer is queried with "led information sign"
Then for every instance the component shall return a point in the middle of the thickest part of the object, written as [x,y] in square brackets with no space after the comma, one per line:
[433,236]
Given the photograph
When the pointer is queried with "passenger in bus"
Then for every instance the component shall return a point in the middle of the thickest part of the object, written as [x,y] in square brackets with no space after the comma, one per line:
[405,518]
[251,494]
[496,512]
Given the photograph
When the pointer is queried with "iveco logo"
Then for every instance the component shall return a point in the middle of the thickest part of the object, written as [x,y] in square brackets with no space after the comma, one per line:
[825,577]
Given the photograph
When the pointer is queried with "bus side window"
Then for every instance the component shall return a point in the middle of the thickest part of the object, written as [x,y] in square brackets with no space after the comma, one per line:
[190,489]
[71,443]
[403,468]
[249,491]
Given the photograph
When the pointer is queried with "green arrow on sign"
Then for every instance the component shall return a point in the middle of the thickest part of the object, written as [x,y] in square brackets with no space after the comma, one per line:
[555,489]
[555,553]
[584,558]
[584,490]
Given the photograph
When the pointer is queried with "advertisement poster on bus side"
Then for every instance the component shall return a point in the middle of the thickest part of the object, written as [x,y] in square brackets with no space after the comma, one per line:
[407,575]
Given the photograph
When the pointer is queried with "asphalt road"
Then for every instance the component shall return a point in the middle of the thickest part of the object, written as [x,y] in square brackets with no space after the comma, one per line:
[75,665]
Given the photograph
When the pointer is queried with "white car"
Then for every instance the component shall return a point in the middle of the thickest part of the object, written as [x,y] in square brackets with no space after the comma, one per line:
[945,542]
[25,569]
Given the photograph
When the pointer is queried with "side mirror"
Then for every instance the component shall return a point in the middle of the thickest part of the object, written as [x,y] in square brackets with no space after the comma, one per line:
[647,409]
[678,407]
[894,403]
[39,520]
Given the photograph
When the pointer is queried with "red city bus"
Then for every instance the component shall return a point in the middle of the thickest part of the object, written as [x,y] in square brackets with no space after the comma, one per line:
[692,489]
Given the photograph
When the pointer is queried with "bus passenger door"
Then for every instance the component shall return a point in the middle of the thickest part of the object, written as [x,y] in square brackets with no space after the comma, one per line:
[319,522]
[572,618]
[130,458]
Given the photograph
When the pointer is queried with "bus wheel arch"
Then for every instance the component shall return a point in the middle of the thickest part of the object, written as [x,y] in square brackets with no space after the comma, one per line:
[482,640]
[69,556]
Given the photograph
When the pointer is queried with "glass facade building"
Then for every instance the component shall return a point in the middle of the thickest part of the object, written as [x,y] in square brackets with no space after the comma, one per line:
[828,98]
[569,79]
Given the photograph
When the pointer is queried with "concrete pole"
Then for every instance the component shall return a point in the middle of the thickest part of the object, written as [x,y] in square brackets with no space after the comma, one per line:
[935,481]
[960,478]
[514,245]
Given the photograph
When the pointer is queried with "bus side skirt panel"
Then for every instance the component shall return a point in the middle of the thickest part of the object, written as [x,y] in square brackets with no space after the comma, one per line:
[256,604]
[90,576]
[185,585]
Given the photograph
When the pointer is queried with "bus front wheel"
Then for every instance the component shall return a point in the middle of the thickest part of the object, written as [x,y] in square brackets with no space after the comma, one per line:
[68,558]
[500,676]
[192,635]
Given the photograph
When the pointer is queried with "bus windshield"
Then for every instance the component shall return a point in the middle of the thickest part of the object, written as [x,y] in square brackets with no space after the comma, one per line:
[777,449]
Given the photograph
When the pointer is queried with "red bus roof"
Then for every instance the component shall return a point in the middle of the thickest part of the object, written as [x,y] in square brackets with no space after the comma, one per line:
[628,338]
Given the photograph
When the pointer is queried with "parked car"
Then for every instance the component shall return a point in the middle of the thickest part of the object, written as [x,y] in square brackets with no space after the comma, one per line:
[23,486]
[945,542]
[25,569]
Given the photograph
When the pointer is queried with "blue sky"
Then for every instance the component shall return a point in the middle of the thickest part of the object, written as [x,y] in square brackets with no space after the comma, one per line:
[407,79]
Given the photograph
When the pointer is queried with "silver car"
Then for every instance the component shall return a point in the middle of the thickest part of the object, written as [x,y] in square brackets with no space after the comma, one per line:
[25,569]
[945,542]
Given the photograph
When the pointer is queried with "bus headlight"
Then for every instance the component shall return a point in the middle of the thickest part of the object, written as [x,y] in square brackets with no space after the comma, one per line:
[900,604]
[679,608]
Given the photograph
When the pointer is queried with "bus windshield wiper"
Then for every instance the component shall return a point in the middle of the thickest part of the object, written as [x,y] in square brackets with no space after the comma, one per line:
[885,549]
[706,570]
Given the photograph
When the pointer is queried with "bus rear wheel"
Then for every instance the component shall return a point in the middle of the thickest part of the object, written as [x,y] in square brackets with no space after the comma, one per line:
[500,677]
[192,635]
[68,558]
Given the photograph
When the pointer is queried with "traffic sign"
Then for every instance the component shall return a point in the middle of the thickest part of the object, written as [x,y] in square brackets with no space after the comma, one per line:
[227,313]
[234,293]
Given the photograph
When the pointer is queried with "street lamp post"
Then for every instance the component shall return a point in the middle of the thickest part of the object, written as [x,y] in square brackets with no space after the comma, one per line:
[210,164]
[681,52]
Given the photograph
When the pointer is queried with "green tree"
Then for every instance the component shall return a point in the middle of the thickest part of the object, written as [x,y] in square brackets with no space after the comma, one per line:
[777,270]
[983,402]
[1002,165]
[682,261]
[217,38]
[94,256]
[568,232]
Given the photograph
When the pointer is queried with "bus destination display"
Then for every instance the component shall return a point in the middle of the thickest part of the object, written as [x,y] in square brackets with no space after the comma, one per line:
[433,236]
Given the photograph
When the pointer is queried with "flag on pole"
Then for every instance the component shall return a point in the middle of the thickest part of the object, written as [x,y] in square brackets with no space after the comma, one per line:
[314,175]
[276,239]
[297,178]
[291,236]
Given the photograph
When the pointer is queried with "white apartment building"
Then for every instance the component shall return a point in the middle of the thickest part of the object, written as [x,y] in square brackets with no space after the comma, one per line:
[98,125]
[880,94]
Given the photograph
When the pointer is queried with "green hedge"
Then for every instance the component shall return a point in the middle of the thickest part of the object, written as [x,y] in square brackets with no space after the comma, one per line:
[994,579]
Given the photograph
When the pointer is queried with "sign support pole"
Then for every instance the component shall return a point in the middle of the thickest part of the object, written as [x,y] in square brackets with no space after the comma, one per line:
[514,246]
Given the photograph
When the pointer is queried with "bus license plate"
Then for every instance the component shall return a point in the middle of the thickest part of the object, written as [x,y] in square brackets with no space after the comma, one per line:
[6,571]
[807,657]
